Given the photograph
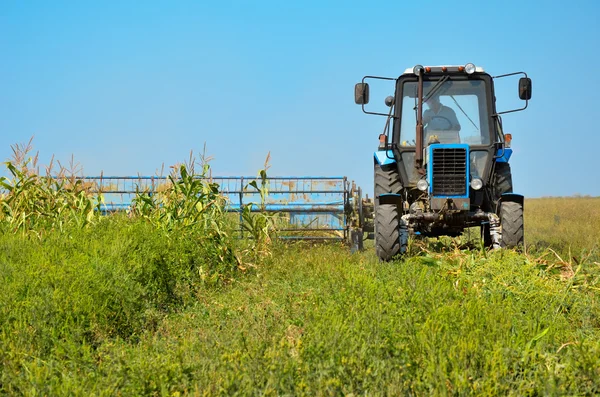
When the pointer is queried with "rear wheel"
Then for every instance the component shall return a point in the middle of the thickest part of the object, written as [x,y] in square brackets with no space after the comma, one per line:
[387,231]
[502,182]
[511,219]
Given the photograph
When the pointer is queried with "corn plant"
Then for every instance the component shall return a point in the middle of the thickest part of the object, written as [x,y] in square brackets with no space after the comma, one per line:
[187,200]
[262,225]
[32,202]
[189,205]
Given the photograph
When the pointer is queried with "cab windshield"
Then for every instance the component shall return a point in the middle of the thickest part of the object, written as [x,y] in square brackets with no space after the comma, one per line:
[456,111]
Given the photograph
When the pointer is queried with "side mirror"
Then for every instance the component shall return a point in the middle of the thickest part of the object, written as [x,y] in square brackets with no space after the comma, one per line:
[389,101]
[361,93]
[525,88]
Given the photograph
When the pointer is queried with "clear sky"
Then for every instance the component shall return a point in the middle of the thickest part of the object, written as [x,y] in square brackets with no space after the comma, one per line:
[126,86]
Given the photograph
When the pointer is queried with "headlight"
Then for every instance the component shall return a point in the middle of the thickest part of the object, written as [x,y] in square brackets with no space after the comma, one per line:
[476,183]
[422,185]
[470,68]
[418,69]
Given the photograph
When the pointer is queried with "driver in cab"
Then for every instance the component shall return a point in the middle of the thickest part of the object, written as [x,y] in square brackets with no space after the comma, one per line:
[439,117]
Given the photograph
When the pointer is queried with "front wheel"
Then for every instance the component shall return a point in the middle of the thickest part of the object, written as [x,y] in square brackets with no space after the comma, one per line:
[511,219]
[390,235]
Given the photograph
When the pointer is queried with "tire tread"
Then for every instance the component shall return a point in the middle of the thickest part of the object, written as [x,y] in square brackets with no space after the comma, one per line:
[386,180]
[511,219]
[387,232]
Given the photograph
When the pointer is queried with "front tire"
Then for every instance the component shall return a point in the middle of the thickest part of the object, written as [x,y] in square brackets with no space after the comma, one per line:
[511,219]
[387,231]
[389,237]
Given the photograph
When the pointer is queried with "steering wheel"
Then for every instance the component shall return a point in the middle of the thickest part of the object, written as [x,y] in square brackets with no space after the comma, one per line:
[443,118]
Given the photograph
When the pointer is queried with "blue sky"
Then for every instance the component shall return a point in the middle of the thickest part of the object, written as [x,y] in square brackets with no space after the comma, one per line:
[126,86]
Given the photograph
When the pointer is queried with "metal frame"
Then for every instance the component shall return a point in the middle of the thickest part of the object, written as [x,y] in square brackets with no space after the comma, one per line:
[436,77]
[314,203]
[377,78]
[526,101]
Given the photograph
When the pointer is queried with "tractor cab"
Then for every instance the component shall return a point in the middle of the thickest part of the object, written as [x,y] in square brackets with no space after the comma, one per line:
[442,162]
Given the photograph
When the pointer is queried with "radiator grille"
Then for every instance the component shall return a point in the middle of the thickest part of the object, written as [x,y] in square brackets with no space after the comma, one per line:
[449,171]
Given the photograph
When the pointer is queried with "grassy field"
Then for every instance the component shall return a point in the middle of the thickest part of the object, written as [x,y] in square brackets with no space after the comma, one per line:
[151,304]
[564,224]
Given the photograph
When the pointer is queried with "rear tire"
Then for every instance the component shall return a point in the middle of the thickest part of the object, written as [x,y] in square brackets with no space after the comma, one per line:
[387,231]
[502,183]
[511,219]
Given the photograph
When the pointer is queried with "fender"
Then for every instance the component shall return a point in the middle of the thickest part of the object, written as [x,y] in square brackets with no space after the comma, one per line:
[513,197]
[390,198]
[503,155]
[384,157]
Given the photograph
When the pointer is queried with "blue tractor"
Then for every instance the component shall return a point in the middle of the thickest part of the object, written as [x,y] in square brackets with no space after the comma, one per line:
[442,164]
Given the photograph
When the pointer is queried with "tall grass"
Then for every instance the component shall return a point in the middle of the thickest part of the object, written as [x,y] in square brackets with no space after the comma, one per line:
[153,302]
[564,224]
[319,320]
[74,281]
[69,293]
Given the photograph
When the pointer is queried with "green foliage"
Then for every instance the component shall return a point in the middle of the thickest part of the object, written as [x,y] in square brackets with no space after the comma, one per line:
[152,302]
[261,225]
[317,320]
[67,294]
[187,201]
[32,203]
[189,206]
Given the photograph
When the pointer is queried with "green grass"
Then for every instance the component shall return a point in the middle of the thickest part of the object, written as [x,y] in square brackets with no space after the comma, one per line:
[320,320]
[117,309]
